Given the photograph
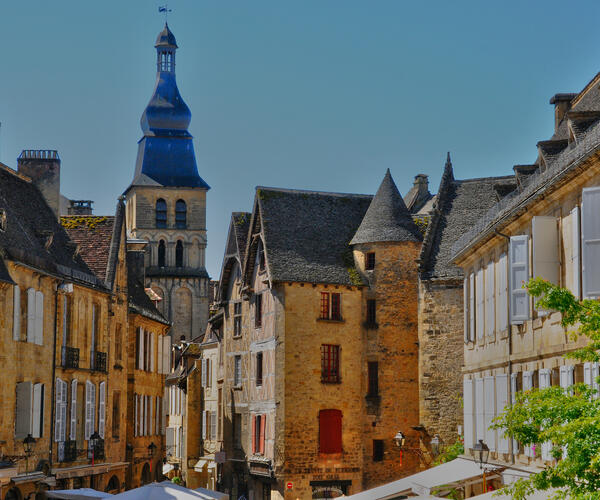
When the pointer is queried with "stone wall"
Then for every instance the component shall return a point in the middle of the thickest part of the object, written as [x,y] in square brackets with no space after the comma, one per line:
[441,345]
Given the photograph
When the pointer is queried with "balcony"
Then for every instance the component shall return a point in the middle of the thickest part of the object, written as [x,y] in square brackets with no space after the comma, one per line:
[70,357]
[99,361]
[67,451]
[98,451]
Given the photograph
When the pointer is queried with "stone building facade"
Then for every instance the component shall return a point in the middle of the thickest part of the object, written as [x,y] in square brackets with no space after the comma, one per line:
[166,203]
[320,419]
[545,228]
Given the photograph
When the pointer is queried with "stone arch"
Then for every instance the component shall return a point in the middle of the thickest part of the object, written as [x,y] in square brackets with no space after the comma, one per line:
[113,485]
[146,476]
[182,300]
[13,494]
[163,304]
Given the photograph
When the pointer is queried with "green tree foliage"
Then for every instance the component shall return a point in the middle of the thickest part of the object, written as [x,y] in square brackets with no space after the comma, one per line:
[567,418]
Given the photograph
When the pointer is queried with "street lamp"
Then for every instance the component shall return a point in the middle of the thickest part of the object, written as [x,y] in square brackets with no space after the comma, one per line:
[400,440]
[435,445]
[28,445]
[93,442]
[151,450]
[481,453]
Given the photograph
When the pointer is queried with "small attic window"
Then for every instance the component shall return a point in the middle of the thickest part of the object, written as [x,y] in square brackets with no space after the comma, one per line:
[2,219]
[370,261]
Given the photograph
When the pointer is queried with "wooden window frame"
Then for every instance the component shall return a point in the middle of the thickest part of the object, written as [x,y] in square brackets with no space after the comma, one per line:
[330,432]
[370,261]
[371,312]
[258,310]
[330,364]
[237,319]
[331,306]
[259,369]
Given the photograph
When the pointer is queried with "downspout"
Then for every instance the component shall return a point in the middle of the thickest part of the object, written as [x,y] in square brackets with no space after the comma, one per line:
[509,367]
[53,400]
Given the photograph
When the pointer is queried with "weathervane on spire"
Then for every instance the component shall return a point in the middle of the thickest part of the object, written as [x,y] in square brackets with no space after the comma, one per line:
[165,8]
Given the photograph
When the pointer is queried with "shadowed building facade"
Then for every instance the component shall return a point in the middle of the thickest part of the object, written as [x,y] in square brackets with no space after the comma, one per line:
[166,202]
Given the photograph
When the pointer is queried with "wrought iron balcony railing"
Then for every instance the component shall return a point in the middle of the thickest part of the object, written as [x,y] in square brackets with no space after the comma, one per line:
[70,357]
[67,451]
[99,361]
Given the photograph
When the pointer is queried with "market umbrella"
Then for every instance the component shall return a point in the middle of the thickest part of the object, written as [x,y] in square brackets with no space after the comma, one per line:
[217,495]
[77,494]
[161,491]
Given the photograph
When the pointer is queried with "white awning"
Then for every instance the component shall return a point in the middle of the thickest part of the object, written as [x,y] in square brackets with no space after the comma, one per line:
[457,471]
[167,468]
[537,495]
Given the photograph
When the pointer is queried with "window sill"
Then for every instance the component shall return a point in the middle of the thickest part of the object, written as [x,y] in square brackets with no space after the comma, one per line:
[334,382]
[236,336]
[327,320]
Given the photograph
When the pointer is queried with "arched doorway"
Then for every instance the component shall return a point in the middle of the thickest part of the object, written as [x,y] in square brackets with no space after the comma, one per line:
[13,494]
[146,475]
[113,485]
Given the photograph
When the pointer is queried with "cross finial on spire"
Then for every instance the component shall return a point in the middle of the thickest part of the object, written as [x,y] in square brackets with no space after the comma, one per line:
[165,9]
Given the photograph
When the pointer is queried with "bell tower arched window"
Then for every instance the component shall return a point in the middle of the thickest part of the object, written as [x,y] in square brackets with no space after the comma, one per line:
[161,213]
[161,253]
[179,254]
[180,214]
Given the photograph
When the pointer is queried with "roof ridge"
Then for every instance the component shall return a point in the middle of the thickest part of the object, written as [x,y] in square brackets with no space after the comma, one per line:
[309,191]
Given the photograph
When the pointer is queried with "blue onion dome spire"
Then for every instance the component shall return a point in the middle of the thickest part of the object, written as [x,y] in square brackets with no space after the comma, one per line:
[166,151]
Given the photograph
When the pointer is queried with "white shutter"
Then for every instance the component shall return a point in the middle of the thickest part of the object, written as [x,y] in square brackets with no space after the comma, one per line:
[513,397]
[204,424]
[480,299]
[59,417]
[39,318]
[472,307]
[466,309]
[519,275]
[590,241]
[545,381]
[587,374]
[203,378]
[88,410]
[575,254]
[479,412]
[152,351]
[165,405]
[23,422]
[544,242]
[490,311]
[502,302]
[73,429]
[501,404]
[213,425]
[140,348]
[16,313]
[102,409]
[468,413]
[159,357]
[527,386]
[167,354]
[151,398]
[30,315]
[135,415]
[38,411]
[146,415]
[158,413]
[489,412]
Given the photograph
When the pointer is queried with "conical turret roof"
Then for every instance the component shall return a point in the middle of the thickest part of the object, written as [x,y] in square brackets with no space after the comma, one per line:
[387,218]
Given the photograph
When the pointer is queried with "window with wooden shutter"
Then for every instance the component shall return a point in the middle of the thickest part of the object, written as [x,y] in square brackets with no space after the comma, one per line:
[16,313]
[159,356]
[330,431]
[513,396]
[590,376]
[60,410]
[324,305]
[39,318]
[204,418]
[152,351]
[136,431]
[261,440]
[468,413]
[102,409]
[519,275]
[590,241]
[501,404]
[527,386]
[472,307]
[37,417]
[545,378]
[158,414]
[575,270]
[479,410]
[336,306]
[151,416]
[167,354]
[544,241]
[213,425]
[330,363]
[140,347]
[73,426]
[203,373]
[31,315]
[23,423]
[490,299]
[502,294]
[489,412]
[90,409]
[480,304]
[466,309]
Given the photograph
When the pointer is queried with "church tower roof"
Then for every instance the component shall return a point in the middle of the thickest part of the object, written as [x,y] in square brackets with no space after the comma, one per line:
[387,218]
[166,151]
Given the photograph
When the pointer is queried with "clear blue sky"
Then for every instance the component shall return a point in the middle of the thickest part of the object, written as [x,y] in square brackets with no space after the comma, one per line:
[311,94]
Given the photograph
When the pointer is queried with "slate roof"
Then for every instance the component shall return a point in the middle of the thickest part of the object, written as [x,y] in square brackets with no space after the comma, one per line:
[307,234]
[460,203]
[93,235]
[387,218]
[33,234]
[562,156]
[4,275]
[235,248]
[139,302]
[241,226]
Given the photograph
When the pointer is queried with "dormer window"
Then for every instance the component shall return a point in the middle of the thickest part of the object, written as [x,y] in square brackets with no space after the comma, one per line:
[161,213]
[180,214]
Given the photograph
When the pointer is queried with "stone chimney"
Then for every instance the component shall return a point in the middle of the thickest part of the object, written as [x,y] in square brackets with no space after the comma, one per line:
[418,194]
[136,253]
[42,166]
[80,207]
[562,104]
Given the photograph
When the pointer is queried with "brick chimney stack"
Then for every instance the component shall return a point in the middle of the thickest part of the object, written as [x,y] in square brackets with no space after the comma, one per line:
[562,104]
[42,166]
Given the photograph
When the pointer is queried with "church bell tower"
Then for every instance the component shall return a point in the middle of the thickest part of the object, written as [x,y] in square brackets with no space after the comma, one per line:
[166,202]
